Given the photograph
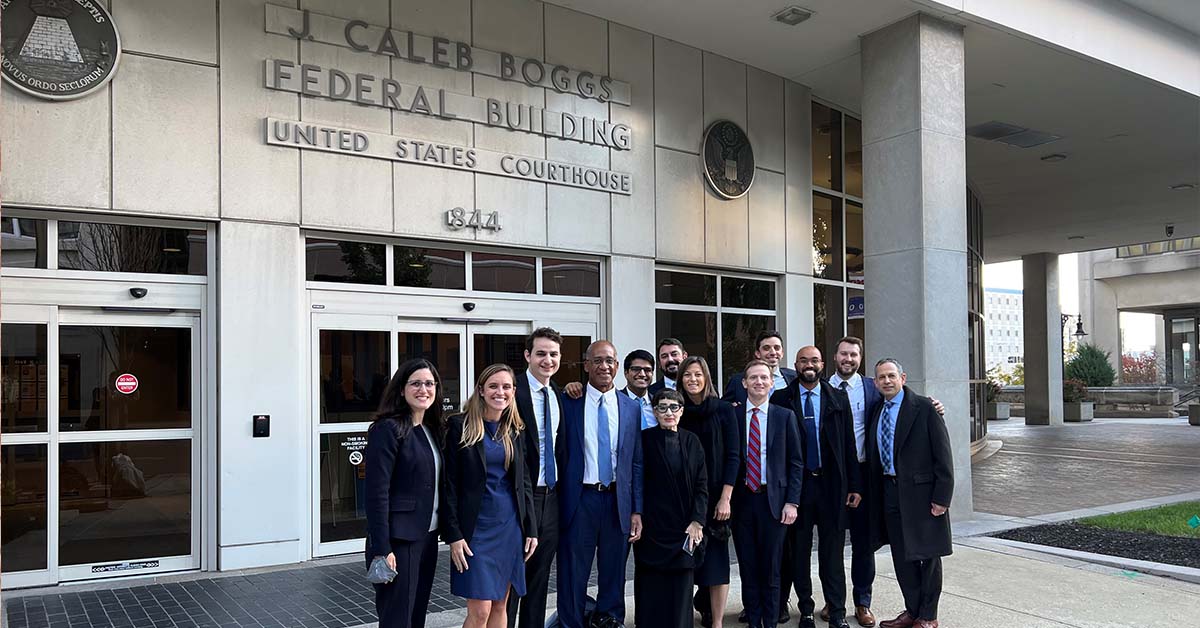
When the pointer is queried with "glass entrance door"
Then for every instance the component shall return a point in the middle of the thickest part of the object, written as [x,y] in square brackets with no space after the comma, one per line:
[1183,360]
[101,457]
[356,355]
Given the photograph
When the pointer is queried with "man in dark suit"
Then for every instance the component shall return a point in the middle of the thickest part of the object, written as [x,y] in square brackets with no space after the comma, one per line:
[538,403]
[639,372]
[766,494]
[768,347]
[831,482]
[912,481]
[670,356]
[600,491]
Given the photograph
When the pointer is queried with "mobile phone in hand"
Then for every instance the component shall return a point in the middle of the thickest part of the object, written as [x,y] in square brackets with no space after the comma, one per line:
[687,545]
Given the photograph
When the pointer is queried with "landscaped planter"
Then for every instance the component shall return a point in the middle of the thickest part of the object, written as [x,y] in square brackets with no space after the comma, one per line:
[998,411]
[1078,411]
[1194,413]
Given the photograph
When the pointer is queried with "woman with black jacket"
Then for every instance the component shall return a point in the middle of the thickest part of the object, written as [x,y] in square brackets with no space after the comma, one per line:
[715,423]
[403,461]
[487,500]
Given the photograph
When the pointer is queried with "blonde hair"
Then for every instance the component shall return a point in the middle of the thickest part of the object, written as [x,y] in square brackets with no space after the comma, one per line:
[510,419]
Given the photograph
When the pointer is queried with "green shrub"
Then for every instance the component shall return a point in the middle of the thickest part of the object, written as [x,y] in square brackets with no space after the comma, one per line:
[1091,366]
[1074,391]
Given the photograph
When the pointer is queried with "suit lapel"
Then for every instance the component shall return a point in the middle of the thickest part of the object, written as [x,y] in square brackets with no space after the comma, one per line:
[525,403]
[904,420]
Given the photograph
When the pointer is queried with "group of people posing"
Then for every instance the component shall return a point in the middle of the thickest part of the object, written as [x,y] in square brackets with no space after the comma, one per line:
[530,472]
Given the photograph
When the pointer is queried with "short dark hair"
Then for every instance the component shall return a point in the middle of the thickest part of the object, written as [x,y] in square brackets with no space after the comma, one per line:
[667,393]
[767,333]
[851,340]
[638,354]
[668,342]
[543,332]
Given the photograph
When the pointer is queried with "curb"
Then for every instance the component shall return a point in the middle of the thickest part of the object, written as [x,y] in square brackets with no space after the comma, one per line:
[1176,572]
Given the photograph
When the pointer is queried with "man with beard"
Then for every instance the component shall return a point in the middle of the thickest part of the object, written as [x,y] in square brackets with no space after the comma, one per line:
[639,372]
[670,356]
[831,482]
[768,347]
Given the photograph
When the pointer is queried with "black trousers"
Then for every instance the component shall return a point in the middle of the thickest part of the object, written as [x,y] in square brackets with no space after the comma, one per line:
[662,597]
[402,603]
[821,509]
[758,539]
[862,562]
[920,580]
[530,611]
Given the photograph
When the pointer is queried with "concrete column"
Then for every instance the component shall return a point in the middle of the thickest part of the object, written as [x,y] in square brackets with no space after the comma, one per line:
[1098,306]
[1043,340]
[631,307]
[914,161]
[795,318]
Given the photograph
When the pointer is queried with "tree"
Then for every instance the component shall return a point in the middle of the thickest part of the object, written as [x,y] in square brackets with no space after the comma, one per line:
[1140,369]
[1091,366]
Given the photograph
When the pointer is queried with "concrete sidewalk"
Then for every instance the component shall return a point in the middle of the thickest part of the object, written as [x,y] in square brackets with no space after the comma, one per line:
[990,585]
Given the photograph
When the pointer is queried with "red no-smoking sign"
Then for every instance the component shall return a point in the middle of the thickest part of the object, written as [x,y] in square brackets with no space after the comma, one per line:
[126,383]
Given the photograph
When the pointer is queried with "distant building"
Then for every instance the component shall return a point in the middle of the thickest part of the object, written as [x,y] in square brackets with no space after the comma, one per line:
[1004,336]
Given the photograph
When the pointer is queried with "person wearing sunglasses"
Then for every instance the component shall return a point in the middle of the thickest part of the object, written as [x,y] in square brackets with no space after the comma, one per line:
[676,503]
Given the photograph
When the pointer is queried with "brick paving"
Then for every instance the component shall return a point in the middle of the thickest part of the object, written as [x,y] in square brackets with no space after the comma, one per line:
[1043,470]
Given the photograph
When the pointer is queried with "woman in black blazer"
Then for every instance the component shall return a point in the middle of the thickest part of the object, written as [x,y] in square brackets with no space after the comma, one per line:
[402,463]
[487,505]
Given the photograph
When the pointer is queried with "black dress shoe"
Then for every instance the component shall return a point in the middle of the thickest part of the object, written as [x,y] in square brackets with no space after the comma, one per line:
[841,623]
[743,618]
[706,620]
[784,617]
[807,621]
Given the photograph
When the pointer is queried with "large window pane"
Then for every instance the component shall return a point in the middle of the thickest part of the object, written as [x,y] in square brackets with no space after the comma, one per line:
[747,293]
[23,507]
[854,172]
[738,332]
[445,352]
[131,248]
[685,288]
[827,253]
[855,243]
[124,500]
[826,147]
[498,349]
[430,268]
[696,330]
[343,486]
[93,358]
[354,372]
[23,243]
[570,362]
[24,381]
[570,277]
[345,262]
[828,317]
[497,272]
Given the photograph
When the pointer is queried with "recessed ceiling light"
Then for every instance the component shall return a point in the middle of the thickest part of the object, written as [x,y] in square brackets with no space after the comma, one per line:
[1053,157]
[792,15]
[1183,187]
[1075,237]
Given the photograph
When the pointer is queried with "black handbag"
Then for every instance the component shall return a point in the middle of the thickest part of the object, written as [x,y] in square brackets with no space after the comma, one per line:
[717,530]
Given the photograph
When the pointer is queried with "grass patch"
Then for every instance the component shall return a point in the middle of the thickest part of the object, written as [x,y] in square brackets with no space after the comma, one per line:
[1170,520]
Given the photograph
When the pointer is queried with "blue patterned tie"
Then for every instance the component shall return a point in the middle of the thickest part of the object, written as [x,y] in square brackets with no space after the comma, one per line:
[603,444]
[888,429]
[548,461]
[812,452]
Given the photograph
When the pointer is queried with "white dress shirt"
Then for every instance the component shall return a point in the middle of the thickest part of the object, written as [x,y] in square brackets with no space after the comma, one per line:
[669,383]
[591,466]
[437,475]
[858,406]
[778,382]
[535,393]
[762,435]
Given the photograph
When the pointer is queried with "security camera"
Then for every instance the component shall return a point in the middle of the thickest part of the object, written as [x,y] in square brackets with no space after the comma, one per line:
[1170,229]
[138,293]
[469,306]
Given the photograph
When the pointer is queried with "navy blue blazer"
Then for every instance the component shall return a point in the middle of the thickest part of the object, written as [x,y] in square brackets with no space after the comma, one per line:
[629,460]
[735,392]
[399,486]
[785,459]
[464,481]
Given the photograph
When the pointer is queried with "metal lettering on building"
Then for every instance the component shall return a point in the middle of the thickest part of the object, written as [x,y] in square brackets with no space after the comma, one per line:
[58,49]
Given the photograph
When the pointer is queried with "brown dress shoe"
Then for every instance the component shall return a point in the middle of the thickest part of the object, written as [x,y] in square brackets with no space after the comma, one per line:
[824,614]
[864,617]
[926,623]
[903,620]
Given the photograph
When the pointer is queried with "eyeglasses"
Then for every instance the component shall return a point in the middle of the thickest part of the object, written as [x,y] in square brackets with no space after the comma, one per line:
[813,361]
[604,361]
[671,408]
[417,384]
[641,369]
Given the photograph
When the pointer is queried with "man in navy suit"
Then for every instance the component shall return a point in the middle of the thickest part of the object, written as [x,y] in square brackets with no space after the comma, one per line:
[600,491]
[670,355]
[768,347]
[765,495]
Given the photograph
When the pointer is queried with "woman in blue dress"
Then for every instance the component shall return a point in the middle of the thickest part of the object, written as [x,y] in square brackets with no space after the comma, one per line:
[487,500]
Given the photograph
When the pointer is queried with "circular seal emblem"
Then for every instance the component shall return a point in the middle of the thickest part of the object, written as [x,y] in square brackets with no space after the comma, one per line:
[58,49]
[728,159]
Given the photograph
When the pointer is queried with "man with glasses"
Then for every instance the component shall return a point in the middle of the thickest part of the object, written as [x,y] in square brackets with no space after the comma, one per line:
[600,491]
[538,402]
[639,373]
[670,356]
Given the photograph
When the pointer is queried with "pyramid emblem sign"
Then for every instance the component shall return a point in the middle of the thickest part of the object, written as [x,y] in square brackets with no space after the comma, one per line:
[58,49]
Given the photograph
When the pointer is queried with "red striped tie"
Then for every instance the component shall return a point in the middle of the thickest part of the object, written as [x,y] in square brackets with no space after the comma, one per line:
[754,456]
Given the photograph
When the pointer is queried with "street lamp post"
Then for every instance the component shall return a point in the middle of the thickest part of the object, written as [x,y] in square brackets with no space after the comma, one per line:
[1079,334]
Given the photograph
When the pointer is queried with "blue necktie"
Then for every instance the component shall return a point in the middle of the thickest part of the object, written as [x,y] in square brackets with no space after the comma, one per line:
[603,444]
[648,420]
[812,454]
[887,429]
[548,462]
